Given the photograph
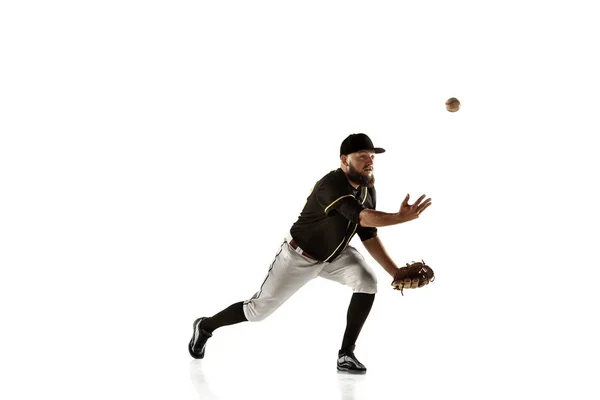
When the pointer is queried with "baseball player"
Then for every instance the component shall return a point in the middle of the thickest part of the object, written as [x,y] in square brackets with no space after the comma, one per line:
[340,205]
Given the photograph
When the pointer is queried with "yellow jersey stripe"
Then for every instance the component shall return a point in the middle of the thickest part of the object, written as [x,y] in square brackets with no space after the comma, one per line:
[352,235]
[343,240]
[356,226]
[336,200]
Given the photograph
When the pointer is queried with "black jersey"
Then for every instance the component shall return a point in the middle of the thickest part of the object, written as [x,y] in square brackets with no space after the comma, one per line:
[330,217]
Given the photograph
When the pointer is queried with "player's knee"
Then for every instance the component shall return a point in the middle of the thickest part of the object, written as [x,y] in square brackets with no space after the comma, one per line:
[257,311]
[261,316]
[367,283]
[365,289]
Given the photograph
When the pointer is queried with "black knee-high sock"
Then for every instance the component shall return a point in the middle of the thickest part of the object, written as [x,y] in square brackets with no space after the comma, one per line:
[233,314]
[358,311]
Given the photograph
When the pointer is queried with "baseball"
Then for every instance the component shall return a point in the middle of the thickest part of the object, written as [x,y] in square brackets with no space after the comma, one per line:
[452,104]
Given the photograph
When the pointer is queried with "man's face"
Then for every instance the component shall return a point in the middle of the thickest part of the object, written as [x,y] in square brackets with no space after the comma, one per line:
[361,167]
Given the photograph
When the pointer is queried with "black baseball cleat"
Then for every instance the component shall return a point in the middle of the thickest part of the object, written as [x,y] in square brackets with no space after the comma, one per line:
[199,338]
[347,362]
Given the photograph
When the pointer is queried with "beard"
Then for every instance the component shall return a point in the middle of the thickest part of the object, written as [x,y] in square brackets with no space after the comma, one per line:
[363,180]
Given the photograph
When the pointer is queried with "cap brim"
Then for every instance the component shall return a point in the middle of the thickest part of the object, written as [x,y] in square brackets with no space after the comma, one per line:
[378,150]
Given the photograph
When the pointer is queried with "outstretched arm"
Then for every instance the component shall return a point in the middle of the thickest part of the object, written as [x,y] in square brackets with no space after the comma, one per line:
[374,218]
[378,252]
[407,212]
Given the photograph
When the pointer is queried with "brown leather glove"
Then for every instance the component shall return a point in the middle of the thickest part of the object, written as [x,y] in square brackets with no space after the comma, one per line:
[412,276]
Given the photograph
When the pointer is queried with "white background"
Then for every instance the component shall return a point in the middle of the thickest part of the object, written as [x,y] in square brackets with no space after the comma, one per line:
[153,155]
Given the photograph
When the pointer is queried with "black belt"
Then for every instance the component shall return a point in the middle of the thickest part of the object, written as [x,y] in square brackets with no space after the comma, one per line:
[295,246]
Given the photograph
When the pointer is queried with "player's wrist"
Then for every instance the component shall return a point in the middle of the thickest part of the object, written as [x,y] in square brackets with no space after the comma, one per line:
[400,218]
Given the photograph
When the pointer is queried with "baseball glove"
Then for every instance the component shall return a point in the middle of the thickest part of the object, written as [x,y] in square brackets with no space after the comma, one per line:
[412,276]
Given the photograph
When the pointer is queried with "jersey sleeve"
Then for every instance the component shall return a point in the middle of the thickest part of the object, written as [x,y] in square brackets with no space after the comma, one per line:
[368,232]
[333,198]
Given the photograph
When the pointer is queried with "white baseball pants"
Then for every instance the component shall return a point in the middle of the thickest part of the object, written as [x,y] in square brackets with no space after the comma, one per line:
[291,270]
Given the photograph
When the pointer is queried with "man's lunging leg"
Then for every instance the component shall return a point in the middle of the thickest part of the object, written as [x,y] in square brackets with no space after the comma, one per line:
[288,273]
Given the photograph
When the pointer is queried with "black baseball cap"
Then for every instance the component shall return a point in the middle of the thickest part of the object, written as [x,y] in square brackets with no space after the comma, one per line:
[357,142]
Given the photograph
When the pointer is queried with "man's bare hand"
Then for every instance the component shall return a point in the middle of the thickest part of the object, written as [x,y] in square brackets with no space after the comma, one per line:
[408,212]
